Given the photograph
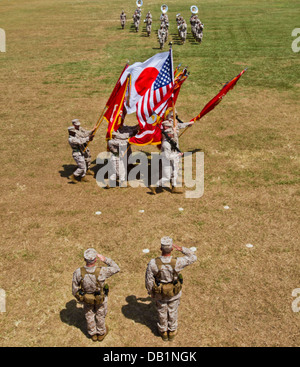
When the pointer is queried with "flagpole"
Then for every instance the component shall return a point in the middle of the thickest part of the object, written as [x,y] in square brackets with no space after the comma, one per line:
[173,104]
[120,106]
[217,99]
[100,119]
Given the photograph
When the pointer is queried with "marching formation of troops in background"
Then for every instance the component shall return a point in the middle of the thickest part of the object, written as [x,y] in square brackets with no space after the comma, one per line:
[197,28]
[162,34]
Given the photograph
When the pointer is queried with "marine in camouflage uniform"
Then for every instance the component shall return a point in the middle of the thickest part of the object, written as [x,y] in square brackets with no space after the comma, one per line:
[77,144]
[193,21]
[162,36]
[164,18]
[182,28]
[170,157]
[178,18]
[123,19]
[136,18]
[120,149]
[90,279]
[161,279]
[148,22]
[83,133]
[199,31]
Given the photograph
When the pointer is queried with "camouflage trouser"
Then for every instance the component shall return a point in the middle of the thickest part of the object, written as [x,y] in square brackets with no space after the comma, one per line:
[81,165]
[199,37]
[88,158]
[167,315]
[118,168]
[183,35]
[170,170]
[95,318]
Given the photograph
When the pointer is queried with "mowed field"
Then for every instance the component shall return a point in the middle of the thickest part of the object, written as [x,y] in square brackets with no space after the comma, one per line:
[62,60]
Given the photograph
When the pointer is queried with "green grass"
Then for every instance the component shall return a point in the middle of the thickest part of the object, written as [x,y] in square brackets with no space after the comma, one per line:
[255,34]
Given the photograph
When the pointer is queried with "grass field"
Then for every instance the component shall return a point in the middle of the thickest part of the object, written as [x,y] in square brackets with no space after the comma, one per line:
[62,60]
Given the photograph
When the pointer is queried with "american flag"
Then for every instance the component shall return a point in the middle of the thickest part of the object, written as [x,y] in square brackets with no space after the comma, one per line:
[155,100]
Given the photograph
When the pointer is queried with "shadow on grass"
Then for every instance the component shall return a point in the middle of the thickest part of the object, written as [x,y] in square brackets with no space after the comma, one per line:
[176,39]
[68,169]
[133,29]
[74,316]
[141,312]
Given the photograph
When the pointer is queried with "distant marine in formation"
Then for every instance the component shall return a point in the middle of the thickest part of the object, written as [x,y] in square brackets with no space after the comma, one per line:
[137,15]
[148,22]
[123,19]
[182,27]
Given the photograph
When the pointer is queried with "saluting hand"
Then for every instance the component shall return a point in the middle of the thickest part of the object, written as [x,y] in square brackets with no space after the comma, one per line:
[178,248]
[101,257]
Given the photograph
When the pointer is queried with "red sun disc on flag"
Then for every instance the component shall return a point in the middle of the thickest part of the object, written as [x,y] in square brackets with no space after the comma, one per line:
[145,80]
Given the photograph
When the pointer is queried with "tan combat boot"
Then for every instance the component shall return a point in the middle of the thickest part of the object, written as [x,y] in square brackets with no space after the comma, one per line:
[172,335]
[175,190]
[94,338]
[84,179]
[90,172]
[164,335]
[153,190]
[101,337]
[73,179]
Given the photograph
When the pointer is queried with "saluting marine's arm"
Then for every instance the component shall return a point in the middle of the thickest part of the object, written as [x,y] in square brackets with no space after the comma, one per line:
[186,260]
[110,270]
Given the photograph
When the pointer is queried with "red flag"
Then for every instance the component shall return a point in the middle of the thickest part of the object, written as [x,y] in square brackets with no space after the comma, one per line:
[117,87]
[151,135]
[115,112]
[217,99]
